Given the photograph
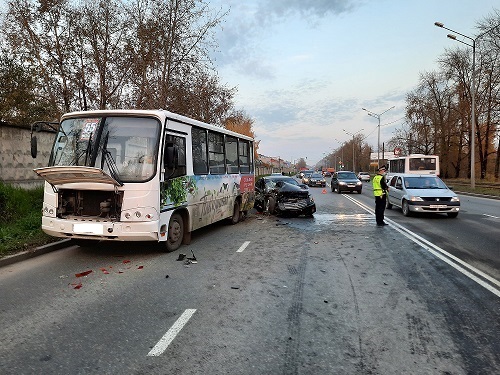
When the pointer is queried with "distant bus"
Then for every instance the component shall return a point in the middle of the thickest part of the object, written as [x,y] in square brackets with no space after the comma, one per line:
[143,175]
[414,163]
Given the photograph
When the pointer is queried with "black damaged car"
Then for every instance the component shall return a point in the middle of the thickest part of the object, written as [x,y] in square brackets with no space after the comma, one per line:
[282,195]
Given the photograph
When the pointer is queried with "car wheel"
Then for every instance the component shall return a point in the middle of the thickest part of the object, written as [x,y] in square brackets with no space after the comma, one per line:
[359,191]
[387,204]
[271,205]
[338,190]
[406,208]
[452,214]
[258,206]
[175,233]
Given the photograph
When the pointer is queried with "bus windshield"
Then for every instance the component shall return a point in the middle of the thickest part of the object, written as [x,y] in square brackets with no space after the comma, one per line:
[125,147]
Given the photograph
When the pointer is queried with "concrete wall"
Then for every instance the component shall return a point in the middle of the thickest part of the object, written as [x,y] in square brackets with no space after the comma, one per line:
[16,163]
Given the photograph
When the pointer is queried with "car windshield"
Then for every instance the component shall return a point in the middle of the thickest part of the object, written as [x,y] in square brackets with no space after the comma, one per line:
[424,183]
[346,176]
[316,175]
[271,183]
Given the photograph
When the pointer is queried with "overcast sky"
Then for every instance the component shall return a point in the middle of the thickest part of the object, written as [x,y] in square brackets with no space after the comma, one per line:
[305,68]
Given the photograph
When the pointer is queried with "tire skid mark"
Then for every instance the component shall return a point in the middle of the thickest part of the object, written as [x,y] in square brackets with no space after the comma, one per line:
[356,307]
[292,355]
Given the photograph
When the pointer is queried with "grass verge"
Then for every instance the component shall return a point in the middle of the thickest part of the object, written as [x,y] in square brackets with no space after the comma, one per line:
[20,218]
[481,187]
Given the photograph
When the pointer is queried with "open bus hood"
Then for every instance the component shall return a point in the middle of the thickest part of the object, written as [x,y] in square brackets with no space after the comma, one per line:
[64,175]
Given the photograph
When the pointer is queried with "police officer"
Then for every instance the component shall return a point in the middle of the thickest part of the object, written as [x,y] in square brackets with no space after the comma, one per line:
[380,189]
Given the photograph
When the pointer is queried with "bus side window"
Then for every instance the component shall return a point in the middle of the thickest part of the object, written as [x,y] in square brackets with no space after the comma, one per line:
[180,145]
[199,141]
[231,154]
[216,152]
[244,156]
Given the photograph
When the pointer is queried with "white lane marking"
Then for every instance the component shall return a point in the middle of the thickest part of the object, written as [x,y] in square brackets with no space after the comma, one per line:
[494,217]
[243,247]
[445,256]
[165,341]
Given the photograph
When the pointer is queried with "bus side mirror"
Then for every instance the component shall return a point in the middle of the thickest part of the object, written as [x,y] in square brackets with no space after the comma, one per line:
[34,147]
[171,157]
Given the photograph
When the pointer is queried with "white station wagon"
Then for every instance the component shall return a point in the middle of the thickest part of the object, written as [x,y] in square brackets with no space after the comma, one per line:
[422,193]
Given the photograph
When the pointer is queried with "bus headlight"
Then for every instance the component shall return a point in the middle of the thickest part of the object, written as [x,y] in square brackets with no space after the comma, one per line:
[141,214]
[48,211]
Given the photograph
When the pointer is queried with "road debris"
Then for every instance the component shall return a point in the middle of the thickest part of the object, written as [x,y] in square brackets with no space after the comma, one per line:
[81,274]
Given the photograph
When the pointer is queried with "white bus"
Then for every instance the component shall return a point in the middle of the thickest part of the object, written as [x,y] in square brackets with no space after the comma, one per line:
[414,164]
[143,175]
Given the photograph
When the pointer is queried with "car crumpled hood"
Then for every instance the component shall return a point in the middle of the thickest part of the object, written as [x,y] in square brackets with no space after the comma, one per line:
[289,189]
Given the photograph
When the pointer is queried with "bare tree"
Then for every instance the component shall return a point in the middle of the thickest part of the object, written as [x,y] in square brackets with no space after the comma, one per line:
[98,54]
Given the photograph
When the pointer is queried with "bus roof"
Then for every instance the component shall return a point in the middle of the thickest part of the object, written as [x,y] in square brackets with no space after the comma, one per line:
[161,114]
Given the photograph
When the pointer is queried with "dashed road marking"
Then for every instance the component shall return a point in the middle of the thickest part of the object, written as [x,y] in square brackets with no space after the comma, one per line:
[165,341]
[243,247]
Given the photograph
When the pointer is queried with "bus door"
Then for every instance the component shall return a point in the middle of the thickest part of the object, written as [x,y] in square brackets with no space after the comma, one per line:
[173,191]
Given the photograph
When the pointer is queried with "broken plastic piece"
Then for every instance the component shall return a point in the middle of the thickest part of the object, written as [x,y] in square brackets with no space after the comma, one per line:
[193,258]
[181,256]
[140,267]
[81,274]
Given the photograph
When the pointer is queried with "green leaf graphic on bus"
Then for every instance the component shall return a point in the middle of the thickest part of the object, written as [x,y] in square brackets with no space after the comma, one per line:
[175,191]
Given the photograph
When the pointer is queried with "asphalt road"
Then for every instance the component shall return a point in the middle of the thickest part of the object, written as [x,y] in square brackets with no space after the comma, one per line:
[333,294]
[474,236]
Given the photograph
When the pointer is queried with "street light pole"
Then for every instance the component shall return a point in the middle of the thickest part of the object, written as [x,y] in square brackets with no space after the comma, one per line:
[342,154]
[377,116]
[472,93]
[353,158]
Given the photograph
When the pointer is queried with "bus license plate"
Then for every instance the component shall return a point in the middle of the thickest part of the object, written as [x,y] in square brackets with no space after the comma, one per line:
[88,228]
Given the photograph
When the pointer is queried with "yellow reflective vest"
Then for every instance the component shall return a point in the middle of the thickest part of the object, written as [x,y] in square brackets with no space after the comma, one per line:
[377,186]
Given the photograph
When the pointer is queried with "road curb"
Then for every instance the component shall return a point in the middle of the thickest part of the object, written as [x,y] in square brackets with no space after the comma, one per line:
[5,261]
[477,195]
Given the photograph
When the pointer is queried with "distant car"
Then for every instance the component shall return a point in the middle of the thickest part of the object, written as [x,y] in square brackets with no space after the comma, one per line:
[305,176]
[364,176]
[316,179]
[327,174]
[422,193]
[282,195]
[346,181]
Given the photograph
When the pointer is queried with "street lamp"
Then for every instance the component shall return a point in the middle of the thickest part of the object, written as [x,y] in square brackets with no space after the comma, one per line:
[342,156]
[377,116]
[473,94]
[353,158]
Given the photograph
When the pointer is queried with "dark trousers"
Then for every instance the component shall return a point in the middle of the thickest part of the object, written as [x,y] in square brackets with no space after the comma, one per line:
[380,208]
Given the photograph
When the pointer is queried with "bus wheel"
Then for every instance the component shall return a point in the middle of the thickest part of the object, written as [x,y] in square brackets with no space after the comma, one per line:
[175,233]
[236,213]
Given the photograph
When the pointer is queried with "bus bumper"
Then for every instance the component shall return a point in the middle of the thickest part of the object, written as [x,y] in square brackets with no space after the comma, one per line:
[101,231]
